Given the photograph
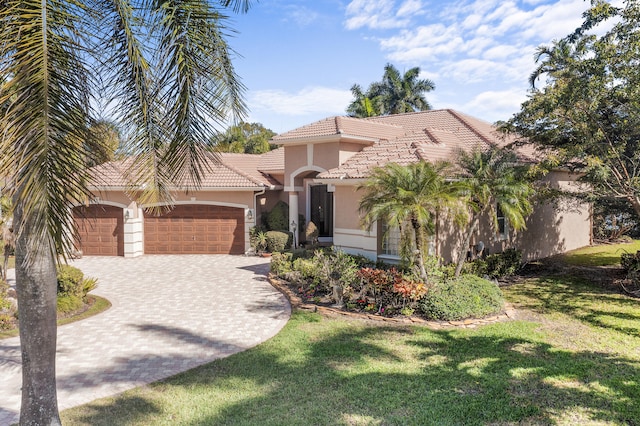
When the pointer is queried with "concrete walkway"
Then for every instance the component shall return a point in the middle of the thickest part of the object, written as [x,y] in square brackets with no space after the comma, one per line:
[169,314]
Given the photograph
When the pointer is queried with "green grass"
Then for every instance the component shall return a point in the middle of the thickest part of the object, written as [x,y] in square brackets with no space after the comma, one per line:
[101,304]
[572,358]
[600,255]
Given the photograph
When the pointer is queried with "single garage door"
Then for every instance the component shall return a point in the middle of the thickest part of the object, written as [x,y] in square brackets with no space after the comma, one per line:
[195,229]
[100,230]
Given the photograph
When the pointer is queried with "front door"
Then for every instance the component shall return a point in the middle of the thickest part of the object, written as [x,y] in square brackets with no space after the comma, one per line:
[321,206]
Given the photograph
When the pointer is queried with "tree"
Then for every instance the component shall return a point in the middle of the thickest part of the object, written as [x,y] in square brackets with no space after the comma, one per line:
[409,198]
[250,138]
[6,233]
[588,113]
[102,143]
[492,179]
[166,69]
[395,94]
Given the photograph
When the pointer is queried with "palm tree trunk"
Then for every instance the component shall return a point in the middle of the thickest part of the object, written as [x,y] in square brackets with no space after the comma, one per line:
[36,285]
[417,230]
[465,244]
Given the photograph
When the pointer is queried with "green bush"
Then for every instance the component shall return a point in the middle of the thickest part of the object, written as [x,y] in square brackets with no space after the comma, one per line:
[277,240]
[281,263]
[69,303]
[7,321]
[467,296]
[496,265]
[278,217]
[70,281]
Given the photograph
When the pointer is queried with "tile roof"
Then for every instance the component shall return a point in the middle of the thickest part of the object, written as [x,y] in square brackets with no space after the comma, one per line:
[341,126]
[231,171]
[429,135]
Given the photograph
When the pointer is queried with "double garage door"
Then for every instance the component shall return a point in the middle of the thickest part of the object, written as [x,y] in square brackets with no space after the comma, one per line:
[195,229]
[187,229]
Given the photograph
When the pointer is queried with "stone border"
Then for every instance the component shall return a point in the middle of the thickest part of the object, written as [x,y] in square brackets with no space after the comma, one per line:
[297,302]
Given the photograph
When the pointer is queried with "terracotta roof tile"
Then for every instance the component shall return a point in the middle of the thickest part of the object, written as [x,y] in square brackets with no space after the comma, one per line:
[232,171]
[429,135]
[344,126]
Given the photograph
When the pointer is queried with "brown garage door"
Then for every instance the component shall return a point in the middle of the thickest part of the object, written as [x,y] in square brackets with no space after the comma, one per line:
[195,229]
[100,230]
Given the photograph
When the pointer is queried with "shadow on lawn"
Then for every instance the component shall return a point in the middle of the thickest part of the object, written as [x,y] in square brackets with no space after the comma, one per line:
[580,299]
[347,376]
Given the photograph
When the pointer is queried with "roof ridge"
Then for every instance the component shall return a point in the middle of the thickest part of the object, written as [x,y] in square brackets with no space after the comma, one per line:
[469,126]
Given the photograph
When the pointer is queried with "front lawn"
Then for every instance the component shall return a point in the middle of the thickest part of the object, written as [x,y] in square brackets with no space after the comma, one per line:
[572,357]
[600,255]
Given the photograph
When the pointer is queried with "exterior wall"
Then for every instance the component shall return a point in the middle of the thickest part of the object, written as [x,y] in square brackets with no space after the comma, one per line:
[348,235]
[347,150]
[559,226]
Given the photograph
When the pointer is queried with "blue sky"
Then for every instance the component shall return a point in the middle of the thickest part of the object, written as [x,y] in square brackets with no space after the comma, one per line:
[300,58]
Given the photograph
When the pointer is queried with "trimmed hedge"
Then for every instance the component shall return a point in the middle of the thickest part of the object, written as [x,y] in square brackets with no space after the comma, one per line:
[467,296]
[277,241]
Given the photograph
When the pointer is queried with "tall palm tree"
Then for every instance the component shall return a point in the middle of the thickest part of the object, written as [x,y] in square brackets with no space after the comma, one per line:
[402,93]
[409,198]
[363,105]
[165,68]
[493,179]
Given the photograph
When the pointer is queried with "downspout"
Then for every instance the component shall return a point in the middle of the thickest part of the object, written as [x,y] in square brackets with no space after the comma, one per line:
[255,204]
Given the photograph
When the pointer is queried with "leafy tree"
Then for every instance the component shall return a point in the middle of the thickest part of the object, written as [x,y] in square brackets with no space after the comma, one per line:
[166,69]
[409,198]
[250,138]
[363,106]
[102,143]
[588,111]
[395,94]
[492,179]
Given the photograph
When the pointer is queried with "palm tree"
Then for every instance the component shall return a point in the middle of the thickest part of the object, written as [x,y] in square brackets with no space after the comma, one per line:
[363,105]
[409,198]
[493,179]
[6,233]
[402,93]
[166,70]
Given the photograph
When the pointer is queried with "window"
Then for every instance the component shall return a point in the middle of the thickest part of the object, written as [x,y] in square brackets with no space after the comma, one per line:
[391,241]
[503,226]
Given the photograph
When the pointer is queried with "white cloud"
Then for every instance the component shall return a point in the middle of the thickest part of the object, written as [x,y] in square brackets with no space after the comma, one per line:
[495,105]
[310,100]
[301,15]
[410,8]
[377,14]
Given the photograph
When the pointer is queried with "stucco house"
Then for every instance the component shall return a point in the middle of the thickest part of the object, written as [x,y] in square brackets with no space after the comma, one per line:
[317,170]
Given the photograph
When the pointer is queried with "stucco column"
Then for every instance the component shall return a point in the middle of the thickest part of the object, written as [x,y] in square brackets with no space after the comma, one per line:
[293,215]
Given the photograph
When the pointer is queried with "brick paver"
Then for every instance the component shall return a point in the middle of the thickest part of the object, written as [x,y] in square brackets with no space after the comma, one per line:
[169,314]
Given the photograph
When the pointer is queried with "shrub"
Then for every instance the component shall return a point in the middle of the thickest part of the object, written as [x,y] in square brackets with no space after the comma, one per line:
[277,240]
[311,233]
[70,281]
[467,296]
[281,263]
[68,303]
[7,321]
[257,239]
[497,265]
[278,217]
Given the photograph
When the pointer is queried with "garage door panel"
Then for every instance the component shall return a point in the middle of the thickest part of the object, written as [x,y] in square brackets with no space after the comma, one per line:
[100,230]
[196,229]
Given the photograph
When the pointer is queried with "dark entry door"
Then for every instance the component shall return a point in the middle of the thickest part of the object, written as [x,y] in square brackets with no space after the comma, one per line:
[322,210]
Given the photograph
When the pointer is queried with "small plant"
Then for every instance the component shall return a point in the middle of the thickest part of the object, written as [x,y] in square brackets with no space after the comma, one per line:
[467,296]
[281,263]
[258,239]
[277,241]
[497,265]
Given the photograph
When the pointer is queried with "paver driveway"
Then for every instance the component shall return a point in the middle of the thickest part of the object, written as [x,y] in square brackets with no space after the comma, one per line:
[169,314]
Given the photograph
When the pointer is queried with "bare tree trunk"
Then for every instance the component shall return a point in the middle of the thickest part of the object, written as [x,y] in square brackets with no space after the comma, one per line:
[36,287]
[465,244]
